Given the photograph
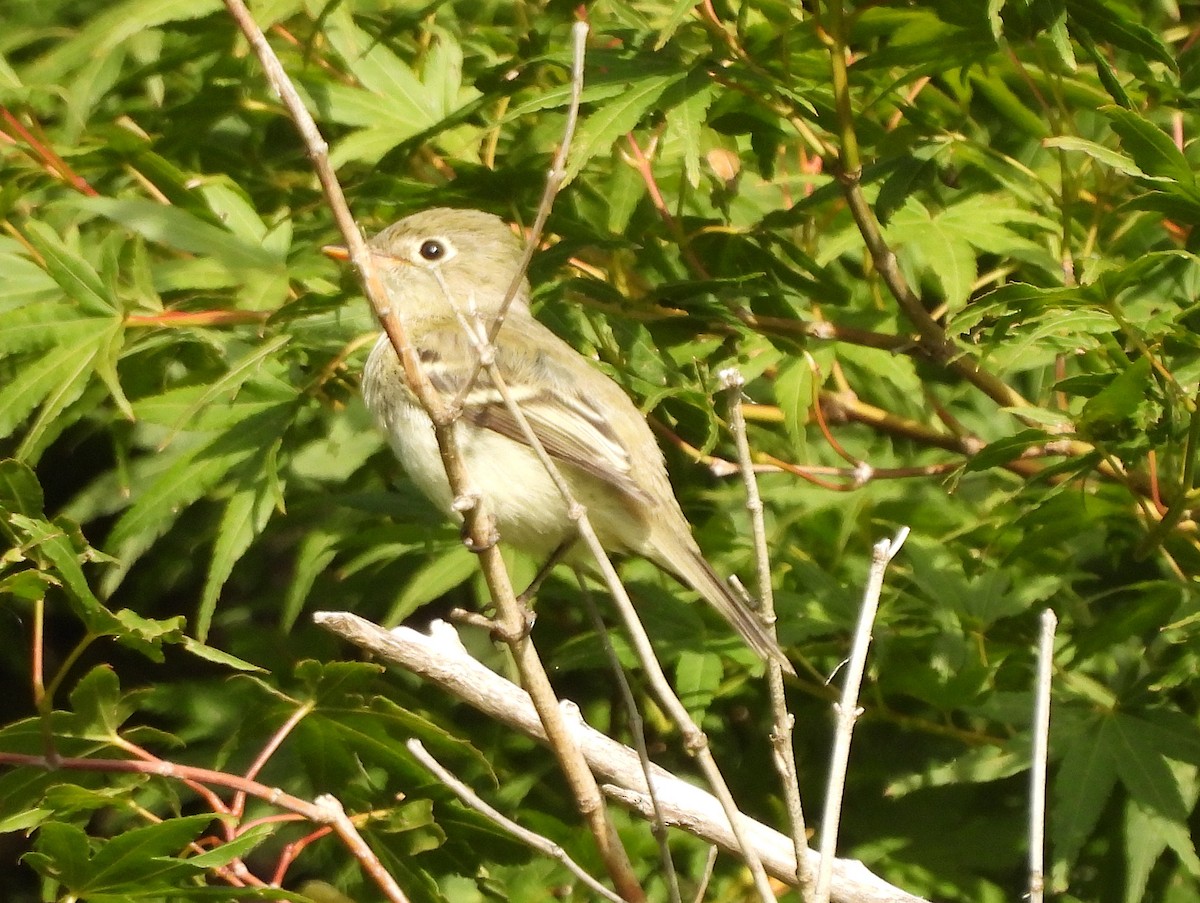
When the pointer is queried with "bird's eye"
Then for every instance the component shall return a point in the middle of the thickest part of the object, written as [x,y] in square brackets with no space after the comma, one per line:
[432,250]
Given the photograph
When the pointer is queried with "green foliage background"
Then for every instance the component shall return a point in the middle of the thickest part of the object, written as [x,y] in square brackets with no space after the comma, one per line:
[190,471]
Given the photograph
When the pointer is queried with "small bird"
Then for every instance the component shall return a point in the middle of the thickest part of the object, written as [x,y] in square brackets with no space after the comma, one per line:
[443,268]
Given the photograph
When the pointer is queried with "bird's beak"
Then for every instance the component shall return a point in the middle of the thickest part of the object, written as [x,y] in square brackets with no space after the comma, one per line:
[337,252]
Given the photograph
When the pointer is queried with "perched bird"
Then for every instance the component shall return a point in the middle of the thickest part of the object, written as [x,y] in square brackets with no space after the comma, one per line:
[445,267]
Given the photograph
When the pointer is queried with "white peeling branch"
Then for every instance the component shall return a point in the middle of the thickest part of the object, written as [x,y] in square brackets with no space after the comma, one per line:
[441,659]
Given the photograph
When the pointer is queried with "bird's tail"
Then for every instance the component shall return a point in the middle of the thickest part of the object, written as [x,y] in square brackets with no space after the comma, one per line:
[698,574]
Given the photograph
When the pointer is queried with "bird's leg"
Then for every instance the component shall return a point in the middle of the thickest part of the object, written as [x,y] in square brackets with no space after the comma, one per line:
[539,578]
[462,616]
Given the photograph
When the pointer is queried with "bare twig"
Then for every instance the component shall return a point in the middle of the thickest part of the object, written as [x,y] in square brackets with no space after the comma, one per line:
[781,732]
[554,182]
[441,659]
[530,838]
[324,810]
[479,526]
[335,816]
[1041,738]
[934,341]
[710,863]
[694,738]
[637,730]
[847,711]
[269,749]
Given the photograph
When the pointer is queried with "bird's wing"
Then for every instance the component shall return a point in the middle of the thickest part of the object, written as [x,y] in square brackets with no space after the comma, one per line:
[547,387]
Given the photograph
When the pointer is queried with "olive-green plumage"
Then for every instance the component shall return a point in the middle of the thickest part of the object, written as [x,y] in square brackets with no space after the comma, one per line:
[445,268]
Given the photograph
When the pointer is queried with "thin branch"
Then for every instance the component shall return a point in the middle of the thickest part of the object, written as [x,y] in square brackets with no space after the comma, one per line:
[710,862]
[828,331]
[637,729]
[441,659]
[554,182]
[324,810]
[479,527]
[934,340]
[272,745]
[42,153]
[847,711]
[781,734]
[1041,742]
[1182,500]
[532,839]
[695,740]
[641,164]
[335,816]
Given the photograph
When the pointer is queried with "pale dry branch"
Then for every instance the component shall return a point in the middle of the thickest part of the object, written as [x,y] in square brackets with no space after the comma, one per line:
[784,754]
[1041,742]
[658,824]
[441,659]
[472,800]
[847,711]
[479,527]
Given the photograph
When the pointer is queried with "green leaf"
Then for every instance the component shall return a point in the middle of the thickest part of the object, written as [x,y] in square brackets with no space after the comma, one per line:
[794,395]
[686,124]
[383,73]
[247,840]
[194,473]
[976,766]
[175,228]
[907,177]
[1110,158]
[20,492]
[53,380]
[611,121]
[1144,772]
[1105,71]
[1085,779]
[246,514]
[1151,148]
[1062,41]
[442,73]
[1145,843]
[54,541]
[139,859]
[1009,448]
[316,552]
[434,580]
[61,853]
[1115,24]
[1120,399]
[937,247]
[674,19]
[697,677]
[71,379]
[1012,106]
[234,210]
[148,635]
[226,385]
[73,274]
[217,656]
[334,684]
[35,327]
[98,710]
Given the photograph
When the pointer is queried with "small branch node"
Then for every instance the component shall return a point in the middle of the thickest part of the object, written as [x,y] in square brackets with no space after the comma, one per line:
[466,501]
[730,378]
[478,546]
